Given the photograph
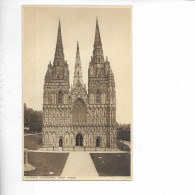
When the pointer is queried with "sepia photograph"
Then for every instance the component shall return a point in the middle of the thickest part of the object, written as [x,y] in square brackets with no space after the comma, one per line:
[77,92]
[97,97]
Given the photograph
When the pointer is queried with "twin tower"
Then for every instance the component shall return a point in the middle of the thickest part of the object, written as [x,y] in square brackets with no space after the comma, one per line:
[76,118]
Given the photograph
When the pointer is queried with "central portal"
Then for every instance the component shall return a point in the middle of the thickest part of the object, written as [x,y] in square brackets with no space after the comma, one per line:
[60,143]
[79,140]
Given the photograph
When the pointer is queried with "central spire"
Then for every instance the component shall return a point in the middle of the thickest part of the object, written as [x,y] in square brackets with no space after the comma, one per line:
[78,77]
[59,54]
[98,57]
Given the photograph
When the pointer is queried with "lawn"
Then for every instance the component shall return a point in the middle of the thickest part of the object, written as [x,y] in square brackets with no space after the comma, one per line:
[33,142]
[46,163]
[112,164]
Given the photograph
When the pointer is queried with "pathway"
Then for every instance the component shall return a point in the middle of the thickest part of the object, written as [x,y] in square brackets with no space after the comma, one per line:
[79,164]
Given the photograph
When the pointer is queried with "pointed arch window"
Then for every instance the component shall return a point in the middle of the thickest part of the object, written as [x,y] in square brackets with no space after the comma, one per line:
[98,97]
[79,112]
[60,97]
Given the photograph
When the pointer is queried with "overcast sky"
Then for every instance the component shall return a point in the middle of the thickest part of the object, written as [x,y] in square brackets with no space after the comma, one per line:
[40,26]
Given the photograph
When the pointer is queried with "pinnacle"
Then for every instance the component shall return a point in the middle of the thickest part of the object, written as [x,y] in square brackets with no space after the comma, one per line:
[96,20]
[97,33]
[77,52]
[59,38]
[59,24]
[98,51]
[59,54]
[77,45]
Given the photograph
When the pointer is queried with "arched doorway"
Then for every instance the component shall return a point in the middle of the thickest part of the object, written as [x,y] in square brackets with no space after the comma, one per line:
[79,140]
[98,142]
[60,143]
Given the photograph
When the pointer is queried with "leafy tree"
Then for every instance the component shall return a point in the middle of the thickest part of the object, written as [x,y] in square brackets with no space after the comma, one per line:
[32,119]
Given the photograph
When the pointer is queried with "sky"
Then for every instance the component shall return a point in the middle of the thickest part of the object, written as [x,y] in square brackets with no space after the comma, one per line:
[40,26]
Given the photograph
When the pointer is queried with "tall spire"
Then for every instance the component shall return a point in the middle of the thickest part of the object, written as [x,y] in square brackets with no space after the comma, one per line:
[78,78]
[97,32]
[98,56]
[59,54]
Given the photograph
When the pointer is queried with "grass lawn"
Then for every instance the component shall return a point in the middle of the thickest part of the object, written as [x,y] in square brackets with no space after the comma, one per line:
[112,164]
[33,142]
[45,163]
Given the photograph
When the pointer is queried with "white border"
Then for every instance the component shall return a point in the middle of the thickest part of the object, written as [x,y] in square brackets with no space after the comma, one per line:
[163,102]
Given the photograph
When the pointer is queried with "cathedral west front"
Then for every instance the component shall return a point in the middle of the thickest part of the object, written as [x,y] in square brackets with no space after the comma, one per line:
[77,116]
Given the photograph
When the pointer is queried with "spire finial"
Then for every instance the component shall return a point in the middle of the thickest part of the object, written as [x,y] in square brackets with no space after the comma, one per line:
[97,47]
[77,45]
[59,54]
[59,27]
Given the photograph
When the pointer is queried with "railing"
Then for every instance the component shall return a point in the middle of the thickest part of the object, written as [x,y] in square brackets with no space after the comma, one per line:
[80,148]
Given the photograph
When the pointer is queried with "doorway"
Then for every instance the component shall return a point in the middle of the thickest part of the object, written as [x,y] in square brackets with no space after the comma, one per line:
[60,143]
[79,140]
[98,142]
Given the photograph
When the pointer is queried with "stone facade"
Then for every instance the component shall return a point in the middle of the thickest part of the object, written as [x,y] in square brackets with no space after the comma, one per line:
[74,116]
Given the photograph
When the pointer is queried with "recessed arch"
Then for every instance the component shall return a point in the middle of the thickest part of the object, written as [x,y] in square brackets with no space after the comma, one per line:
[98,141]
[60,94]
[79,140]
[98,96]
[60,142]
[79,112]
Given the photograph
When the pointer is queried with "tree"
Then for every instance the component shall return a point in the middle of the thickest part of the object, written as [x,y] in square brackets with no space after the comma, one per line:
[32,119]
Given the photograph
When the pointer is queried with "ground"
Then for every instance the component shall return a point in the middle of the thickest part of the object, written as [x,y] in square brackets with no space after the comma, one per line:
[112,164]
[46,163]
[106,164]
